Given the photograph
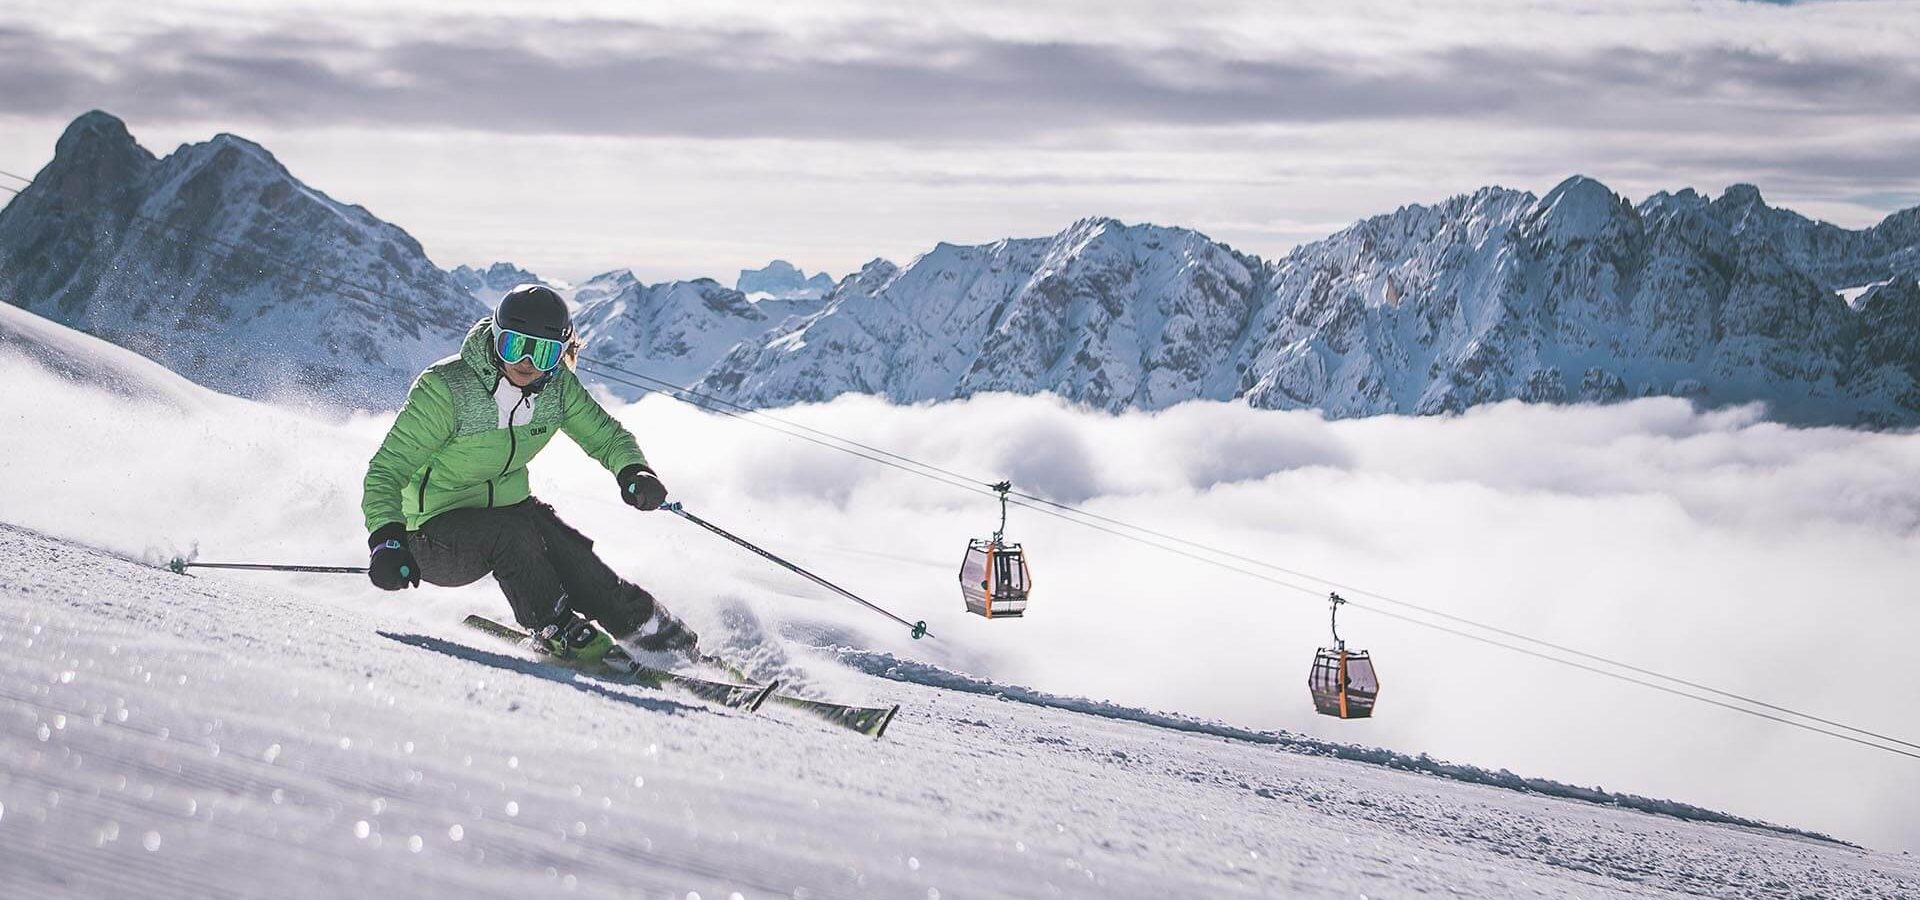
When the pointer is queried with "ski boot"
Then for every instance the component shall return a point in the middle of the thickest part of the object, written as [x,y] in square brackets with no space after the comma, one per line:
[573,638]
[663,632]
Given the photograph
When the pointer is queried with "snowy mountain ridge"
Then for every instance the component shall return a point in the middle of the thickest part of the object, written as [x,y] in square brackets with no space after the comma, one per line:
[488,285]
[673,330]
[1577,296]
[183,259]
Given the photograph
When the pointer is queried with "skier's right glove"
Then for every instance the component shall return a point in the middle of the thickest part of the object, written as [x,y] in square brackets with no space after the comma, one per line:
[392,565]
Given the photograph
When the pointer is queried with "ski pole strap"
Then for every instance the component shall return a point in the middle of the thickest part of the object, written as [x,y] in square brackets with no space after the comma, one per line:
[919,629]
[180,566]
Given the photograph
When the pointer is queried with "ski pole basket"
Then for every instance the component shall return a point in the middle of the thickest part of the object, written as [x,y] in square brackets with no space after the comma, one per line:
[1342,681]
[994,579]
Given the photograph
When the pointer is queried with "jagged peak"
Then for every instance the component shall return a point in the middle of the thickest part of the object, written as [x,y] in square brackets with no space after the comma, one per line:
[1741,194]
[97,125]
[876,269]
[506,268]
[96,131]
[1102,230]
[226,145]
[1579,208]
[1580,190]
[619,275]
[228,156]
[1091,223]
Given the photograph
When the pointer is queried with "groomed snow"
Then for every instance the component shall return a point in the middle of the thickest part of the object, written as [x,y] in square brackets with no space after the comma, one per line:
[170,737]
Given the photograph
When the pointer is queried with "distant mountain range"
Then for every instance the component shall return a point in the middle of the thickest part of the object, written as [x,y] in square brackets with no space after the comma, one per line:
[1579,295]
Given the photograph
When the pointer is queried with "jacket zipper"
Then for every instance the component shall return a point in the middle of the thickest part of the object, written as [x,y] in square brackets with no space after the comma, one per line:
[513,446]
[423,488]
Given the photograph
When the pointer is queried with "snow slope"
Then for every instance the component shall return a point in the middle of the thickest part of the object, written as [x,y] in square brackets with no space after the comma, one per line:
[205,737]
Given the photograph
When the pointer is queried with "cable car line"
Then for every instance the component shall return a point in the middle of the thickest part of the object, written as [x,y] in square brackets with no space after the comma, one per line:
[1061,511]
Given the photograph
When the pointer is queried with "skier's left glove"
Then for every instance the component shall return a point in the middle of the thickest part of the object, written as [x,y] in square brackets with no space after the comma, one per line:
[392,566]
[641,488]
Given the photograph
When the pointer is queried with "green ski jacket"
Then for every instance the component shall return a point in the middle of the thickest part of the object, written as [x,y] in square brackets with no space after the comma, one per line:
[449,449]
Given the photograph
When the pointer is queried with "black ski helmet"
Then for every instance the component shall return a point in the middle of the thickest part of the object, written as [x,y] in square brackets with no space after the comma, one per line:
[534,310]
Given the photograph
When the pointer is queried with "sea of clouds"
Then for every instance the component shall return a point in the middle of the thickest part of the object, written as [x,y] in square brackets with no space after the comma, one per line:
[1771,561]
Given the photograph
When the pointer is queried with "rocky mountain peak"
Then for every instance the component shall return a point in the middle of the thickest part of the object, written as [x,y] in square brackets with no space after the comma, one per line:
[95,130]
[96,153]
[154,255]
[1578,209]
[1740,196]
[783,280]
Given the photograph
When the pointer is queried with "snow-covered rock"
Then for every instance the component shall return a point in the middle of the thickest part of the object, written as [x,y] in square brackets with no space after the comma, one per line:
[1103,313]
[782,280]
[605,284]
[488,285]
[673,331]
[1578,296]
[218,263]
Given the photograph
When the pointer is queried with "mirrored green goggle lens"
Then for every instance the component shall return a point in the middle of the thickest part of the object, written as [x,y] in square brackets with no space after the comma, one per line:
[515,347]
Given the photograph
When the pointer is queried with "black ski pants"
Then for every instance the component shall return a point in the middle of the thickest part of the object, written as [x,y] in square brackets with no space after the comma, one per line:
[542,564]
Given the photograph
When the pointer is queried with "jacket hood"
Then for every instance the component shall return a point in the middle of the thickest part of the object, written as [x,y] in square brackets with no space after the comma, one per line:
[477,351]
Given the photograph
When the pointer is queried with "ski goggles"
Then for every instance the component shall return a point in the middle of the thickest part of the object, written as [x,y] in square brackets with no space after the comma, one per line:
[514,347]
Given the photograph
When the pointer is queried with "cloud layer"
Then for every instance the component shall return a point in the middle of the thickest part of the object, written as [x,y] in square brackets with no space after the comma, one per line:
[882,82]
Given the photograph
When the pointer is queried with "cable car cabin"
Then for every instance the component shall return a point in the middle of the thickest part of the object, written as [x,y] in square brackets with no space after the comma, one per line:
[994,579]
[1343,683]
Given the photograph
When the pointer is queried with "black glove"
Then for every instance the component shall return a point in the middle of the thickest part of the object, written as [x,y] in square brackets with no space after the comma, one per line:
[641,488]
[392,565]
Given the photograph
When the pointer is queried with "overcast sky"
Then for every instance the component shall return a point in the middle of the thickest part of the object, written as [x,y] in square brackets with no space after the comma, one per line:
[693,139]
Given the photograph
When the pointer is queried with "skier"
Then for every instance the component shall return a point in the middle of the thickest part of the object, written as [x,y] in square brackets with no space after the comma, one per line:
[447,497]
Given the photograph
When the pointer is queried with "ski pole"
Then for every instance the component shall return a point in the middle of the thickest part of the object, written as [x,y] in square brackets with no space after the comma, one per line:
[180,566]
[918,629]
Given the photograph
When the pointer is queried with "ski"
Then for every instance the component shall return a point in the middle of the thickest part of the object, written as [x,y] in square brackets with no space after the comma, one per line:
[871,721]
[868,720]
[620,667]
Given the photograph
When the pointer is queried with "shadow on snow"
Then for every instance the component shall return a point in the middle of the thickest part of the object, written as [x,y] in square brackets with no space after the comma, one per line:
[556,674]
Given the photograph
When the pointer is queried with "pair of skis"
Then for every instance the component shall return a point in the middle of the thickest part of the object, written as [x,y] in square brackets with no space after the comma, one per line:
[618,666]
